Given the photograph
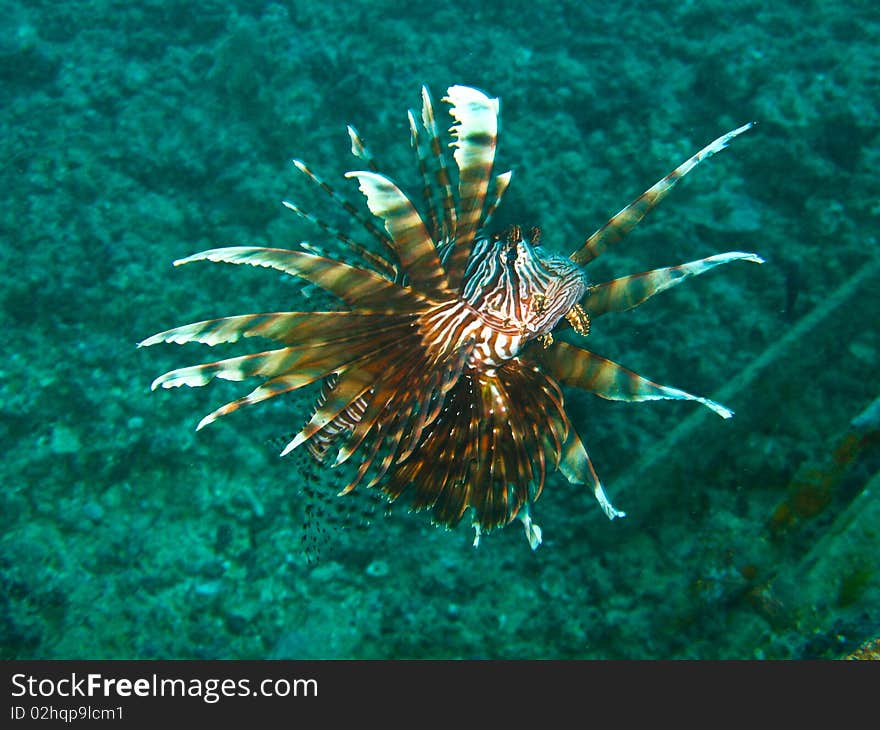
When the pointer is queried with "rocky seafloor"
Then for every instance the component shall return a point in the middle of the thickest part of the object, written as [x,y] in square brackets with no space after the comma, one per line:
[136,133]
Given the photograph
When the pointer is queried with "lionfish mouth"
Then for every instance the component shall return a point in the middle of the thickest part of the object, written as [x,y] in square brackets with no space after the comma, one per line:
[442,376]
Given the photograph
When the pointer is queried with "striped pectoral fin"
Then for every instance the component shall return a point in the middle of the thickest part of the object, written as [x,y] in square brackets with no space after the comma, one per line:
[427,186]
[271,325]
[628,218]
[291,369]
[475,136]
[269,389]
[423,392]
[267,364]
[524,450]
[630,291]
[441,171]
[352,385]
[390,441]
[363,468]
[360,368]
[371,420]
[353,285]
[582,369]
[429,389]
[415,248]
[406,388]
[578,469]
[310,360]
[310,329]
[381,424]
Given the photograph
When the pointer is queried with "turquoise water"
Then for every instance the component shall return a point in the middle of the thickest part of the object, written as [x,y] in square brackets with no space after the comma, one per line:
[136,134]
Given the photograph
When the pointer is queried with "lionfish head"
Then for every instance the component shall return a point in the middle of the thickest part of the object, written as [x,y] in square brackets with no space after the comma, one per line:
[514,282]
[429,376]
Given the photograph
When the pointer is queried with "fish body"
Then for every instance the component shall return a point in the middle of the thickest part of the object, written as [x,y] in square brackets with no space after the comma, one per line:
[440,374]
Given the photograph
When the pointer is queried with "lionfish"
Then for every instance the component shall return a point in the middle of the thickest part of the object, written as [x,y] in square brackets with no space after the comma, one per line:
[443,373]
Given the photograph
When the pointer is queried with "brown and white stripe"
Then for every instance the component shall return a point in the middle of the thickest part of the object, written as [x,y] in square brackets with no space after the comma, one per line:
[414,246]
[627,219]
[628,292]
[475,135]
[574,366]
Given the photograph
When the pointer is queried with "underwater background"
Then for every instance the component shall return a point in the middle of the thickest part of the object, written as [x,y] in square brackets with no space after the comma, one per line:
[134,134]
